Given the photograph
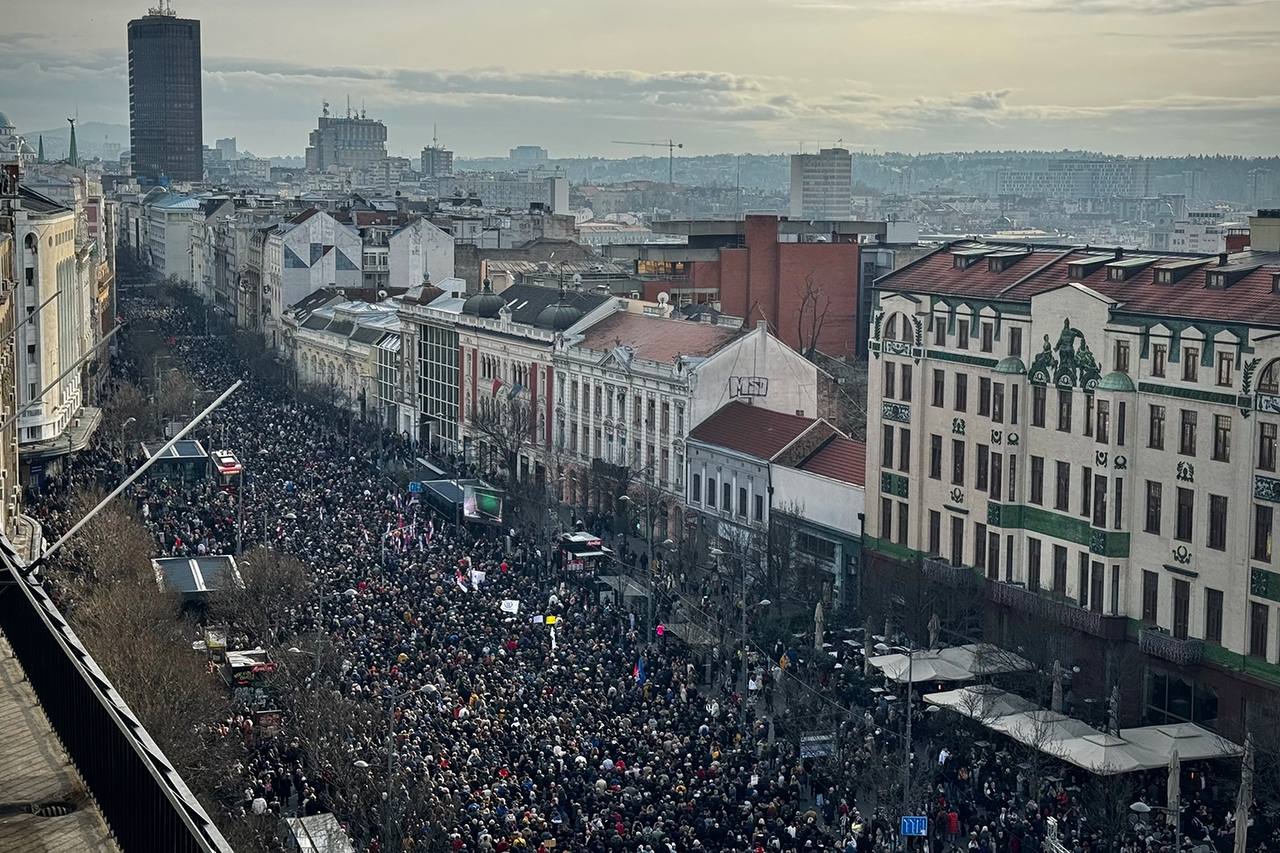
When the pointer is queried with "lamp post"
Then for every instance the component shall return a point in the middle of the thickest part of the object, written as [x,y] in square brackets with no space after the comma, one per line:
[742,670]
[648,537]
[391,754]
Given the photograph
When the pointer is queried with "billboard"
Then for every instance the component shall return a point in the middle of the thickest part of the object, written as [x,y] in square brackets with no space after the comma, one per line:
[482,503]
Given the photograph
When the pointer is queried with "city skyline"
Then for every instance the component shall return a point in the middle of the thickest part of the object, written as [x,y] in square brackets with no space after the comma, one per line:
[926,75]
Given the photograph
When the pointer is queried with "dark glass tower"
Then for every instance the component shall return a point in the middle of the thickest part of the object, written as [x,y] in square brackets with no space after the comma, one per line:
[165,132]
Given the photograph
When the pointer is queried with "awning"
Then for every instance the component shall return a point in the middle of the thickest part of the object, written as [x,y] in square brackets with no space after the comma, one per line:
[1193,742]
[956,663]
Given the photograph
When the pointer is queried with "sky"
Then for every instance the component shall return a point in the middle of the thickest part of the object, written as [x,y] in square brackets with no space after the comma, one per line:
[1154,77]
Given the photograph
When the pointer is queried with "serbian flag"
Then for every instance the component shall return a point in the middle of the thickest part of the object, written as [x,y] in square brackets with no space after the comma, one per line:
[462,582]
[638,671]
[497,383]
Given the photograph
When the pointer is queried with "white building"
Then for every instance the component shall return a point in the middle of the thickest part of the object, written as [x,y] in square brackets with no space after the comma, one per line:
[822,185]
[507,190]
[168,220]
[318,252]
[418,250]
[1091,438]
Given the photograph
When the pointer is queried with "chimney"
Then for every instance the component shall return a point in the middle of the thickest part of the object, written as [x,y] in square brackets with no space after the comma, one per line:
[762,326]
[1222,259]
[1119,252]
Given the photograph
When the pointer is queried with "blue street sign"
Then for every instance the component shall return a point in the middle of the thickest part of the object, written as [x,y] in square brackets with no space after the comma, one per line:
[914,826]
[415,487]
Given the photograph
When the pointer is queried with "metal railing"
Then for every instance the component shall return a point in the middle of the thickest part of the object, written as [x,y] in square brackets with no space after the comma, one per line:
[144,801]
[1158,643]
[1068,615]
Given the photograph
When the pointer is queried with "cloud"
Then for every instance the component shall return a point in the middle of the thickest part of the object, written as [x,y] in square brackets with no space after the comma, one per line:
[1081,7]
[1226,41]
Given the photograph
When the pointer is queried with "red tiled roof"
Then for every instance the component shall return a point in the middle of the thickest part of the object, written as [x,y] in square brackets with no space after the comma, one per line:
[750,429]
[1250,299]
[840,459]
[655,338]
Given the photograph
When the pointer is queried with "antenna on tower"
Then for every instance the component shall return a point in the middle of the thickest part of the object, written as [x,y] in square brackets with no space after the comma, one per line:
[362,108]
[324,110]
[348,105]
[435,137]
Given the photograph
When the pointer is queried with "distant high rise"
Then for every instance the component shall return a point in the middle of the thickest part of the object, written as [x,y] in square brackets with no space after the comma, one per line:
[165,127]
[227,148]
[526,154]
[437,162]
[822,185]
[354,141]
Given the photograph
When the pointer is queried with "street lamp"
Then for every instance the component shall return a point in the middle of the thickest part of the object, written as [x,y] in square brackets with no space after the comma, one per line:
[742,670]
[391,753]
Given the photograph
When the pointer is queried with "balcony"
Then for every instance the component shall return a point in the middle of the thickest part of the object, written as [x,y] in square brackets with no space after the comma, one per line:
[1064,613]
[1161,644]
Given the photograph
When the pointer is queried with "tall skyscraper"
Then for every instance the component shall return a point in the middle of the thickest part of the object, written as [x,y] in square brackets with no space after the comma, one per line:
[822,185]
[165,128]
[356,141]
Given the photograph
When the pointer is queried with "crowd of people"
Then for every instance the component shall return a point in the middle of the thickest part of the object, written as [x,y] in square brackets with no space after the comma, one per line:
[523,713]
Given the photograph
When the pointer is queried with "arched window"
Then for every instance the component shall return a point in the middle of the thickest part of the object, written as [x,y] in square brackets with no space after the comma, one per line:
[898,328]
[1270,381]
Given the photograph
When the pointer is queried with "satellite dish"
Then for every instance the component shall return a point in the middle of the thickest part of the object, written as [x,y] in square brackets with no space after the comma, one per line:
[382,294]
[664,298]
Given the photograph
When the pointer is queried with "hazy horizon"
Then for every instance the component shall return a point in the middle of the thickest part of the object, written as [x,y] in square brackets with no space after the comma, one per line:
[1135,77]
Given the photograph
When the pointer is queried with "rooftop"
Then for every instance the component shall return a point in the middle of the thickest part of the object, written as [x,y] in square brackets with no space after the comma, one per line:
[526,301]
[656,338]
[839,458]
[750,430]
[1144,287]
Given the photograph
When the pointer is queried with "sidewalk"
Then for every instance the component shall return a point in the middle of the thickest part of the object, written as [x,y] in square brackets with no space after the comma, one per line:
[27,537]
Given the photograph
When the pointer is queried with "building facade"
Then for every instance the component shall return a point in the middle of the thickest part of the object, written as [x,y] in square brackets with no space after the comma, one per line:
[353,141]
[822,185]
[507,190]
[318,251]
[436,161]
[1079,179]
[1090,437]
[165,108]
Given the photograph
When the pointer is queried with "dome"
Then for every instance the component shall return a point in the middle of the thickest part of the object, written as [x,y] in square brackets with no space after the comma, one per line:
[1011,364]
[4,121]
[558,317]
[486,303]
[1115,381]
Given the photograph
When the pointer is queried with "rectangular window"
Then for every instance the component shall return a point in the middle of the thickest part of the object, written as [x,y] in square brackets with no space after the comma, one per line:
[957,541]
[1186,514]
[997,476]
[1013,478]
[1213,615]
[939,387]
[1190,364]
[1159,355]
[935,533]
[1155,430]
[935,457]
[979,545]
[962,392]
[1096,581]
[1015,341]
[886,446]
[1082,580]
[993,556]
[1181,608]
[939,331]
[1120,424]
[1100,500]
[1122,356]
[957,462]
[711,491]
[1258,629]
[1267,446]
[890,379]
[1033,563]
[1222,438]
[997,402]
[1062,487]
[1150,597]
[904,384]
[1009,558]
[1088,415]
[695,489]
[1038,395]
[1103,433]
[1060,569]
[1218,522]
[1226,369]
[1013,404]
[988,337]
[886,519]
[727,504]
[759,499]
[962,333]
[1086,492]
[1118,502]
[981,468]
[902,523]
[904,450]
[1064,410]
[1262,533]
[1037,480]
[1153,507]
[1187,433]
[984,396]
[742,502]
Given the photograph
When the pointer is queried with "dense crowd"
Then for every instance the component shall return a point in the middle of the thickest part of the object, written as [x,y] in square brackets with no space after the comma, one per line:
[526,714]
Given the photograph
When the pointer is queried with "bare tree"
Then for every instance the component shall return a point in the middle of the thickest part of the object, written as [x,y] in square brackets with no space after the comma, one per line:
[812,316]
[112,546]
[505,421]
[275,585]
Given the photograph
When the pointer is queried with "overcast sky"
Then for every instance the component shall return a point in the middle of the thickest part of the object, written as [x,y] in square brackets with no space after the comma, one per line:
[1123,76]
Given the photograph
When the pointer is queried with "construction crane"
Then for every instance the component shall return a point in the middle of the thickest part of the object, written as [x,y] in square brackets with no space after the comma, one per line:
[668,144]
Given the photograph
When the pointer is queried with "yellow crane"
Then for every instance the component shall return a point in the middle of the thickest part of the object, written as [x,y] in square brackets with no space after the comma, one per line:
[668,144]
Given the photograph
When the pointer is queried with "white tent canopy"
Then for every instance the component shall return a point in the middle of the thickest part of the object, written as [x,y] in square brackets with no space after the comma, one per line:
[1078,743]
[955,663]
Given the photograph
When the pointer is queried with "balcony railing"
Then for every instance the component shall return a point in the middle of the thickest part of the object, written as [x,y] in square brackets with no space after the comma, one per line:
[1056,610]
[950,575]
[1161,644]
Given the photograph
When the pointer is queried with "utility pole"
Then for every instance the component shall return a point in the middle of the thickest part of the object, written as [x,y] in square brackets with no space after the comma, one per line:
[906,757]
[1245,795]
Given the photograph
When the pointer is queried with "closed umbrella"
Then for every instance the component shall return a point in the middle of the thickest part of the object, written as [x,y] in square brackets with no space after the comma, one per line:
[1174,788]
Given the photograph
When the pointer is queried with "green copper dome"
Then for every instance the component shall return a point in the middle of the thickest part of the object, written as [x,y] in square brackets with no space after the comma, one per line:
[1116,381]
[1011,364]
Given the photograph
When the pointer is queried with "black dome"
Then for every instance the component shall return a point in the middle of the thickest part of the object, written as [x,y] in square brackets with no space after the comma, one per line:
[557,317]
[486,303]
